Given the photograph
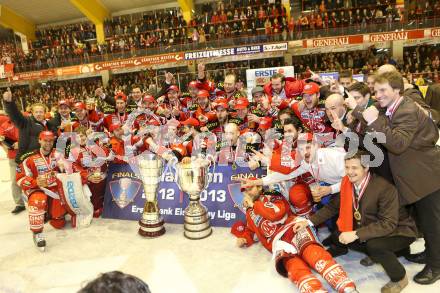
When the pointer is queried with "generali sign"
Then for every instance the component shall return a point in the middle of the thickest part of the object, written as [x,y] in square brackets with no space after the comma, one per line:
[435,32]
[370,38]
[394,36]
[333,42]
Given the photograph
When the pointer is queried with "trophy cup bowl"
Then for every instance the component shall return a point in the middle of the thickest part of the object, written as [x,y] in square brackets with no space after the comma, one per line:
[192,178]
[151,223]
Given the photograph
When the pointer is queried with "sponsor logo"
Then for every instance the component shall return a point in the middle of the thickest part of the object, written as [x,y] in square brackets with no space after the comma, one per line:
[394,36]
[435,32]
[275,47]
[209,54]
[71,194]
[248,49]
[265,73]
[340,41]
[320,265]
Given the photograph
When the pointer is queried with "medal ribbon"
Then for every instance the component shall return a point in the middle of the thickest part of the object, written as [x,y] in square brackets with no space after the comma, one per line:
[363,186]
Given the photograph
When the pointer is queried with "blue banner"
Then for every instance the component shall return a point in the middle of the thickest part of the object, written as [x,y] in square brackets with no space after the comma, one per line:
[124,197]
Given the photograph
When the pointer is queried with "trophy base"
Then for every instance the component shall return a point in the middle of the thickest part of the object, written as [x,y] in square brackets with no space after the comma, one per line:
[197,235]
[196,222]
[151,229]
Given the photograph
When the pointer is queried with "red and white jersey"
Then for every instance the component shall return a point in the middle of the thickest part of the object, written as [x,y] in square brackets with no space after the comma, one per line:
[34,166]
[94,120]
[265,220]
[90,159]
[115,118]
[314,119]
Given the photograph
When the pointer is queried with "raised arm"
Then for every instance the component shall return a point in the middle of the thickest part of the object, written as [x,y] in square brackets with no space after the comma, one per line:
[12,110]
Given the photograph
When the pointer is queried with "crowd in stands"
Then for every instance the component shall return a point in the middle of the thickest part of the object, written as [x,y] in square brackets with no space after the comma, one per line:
[360,61]
[217,23]
[419,62]
[422,60]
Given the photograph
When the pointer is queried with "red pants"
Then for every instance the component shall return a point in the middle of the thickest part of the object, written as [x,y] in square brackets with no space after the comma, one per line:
[39,203]
[97,190]
[315,256]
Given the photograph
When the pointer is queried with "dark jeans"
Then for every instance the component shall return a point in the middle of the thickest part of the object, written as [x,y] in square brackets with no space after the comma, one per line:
[381,250]
[428,220]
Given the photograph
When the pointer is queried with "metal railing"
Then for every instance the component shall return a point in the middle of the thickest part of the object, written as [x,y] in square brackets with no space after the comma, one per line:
[259,38]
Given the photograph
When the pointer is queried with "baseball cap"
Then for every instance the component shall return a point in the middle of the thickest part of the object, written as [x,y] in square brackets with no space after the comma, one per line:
[80,106]
[305,137]
[153,122]
[63,102]
[193,84]
[311,88]
[257,89]
[121,96]
[173,88]
[45,135]
[203,94]
[265,123]
[149,99]
[220,103]
[115,126]
[192,122]
[241,103]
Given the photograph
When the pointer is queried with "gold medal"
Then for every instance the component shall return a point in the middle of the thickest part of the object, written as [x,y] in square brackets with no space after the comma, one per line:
[234,166]
[357,215]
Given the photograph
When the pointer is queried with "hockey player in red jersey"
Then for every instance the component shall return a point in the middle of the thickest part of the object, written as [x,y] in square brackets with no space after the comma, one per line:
[310,112]
[90,160]
[39,183]
[270,220]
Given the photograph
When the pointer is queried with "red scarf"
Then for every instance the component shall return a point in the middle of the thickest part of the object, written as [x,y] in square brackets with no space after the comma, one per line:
[345,220]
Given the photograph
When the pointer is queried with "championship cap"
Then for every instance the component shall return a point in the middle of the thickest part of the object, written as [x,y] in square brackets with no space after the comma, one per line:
[192,122]
[46,135]
[241,103]
[311,88]
[80,106]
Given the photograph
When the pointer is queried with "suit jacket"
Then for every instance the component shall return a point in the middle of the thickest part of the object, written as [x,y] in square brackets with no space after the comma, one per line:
[433,100]
[411,138]
[358,134]
[382,214]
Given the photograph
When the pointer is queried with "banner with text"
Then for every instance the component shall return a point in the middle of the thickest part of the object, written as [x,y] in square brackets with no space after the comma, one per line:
[124,197]
[253,49]
[146,61]
[261,76]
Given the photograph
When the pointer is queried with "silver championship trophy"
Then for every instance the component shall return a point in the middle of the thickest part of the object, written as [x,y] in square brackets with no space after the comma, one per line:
[192,178]
[151,223]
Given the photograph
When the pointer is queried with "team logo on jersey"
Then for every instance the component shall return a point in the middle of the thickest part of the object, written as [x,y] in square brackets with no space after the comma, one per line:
[124,191]
[268,228]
